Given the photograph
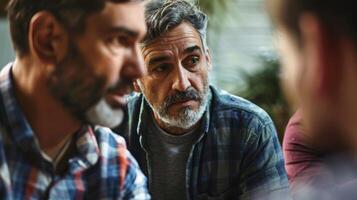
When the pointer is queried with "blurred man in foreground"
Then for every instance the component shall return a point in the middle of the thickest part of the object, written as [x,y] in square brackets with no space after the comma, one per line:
[191,139]
[318,45]
[75,61]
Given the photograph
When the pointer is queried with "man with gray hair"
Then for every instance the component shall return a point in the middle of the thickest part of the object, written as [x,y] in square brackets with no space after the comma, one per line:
[192,140]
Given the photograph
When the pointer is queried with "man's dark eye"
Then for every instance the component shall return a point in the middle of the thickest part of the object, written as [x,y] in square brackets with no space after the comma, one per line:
[121,41]
[191,61]
[194,60]
[160,68]
[125,41]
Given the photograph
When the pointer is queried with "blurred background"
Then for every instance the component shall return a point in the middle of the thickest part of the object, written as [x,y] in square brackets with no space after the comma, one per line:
[241,45]
[6,51]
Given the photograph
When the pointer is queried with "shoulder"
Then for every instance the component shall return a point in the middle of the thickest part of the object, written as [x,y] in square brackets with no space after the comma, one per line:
[295,145]
[113,150]
[239,111]
[293,135]
[111,146]
[107,136]
[120,165]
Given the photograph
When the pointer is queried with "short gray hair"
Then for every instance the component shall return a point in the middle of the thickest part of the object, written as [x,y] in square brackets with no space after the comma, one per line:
[164,15]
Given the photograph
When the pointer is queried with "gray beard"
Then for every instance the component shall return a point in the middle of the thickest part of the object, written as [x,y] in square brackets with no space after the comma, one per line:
[187,117]
[104,115]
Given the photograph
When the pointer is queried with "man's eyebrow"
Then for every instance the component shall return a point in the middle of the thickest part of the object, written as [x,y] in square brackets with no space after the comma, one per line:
[124,30]
[158,59]
[192,49]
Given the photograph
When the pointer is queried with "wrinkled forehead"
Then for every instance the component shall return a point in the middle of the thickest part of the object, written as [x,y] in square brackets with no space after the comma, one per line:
[175,41]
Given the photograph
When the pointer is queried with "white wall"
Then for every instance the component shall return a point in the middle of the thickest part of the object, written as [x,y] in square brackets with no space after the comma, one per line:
[6,50]
[245,36]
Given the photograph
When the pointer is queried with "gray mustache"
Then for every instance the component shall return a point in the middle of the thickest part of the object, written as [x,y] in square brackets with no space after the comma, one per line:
[189,94]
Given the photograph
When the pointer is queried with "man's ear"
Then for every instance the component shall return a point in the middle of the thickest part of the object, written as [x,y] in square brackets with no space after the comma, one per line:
[208,58]
[47,38]
[136,86]
[322,55]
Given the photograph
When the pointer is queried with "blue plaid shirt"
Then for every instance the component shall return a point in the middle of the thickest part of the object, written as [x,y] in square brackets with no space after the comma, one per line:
[100,167]
[237,156]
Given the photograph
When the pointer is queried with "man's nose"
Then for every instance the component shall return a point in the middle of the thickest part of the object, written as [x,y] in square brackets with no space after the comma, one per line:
[135,64]
[181,80]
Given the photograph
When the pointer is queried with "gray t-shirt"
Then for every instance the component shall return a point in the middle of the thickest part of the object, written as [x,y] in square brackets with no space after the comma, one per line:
[168,155]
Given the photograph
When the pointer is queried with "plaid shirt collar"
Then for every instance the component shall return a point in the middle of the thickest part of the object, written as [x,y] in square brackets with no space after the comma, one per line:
[23,135]
[21,131]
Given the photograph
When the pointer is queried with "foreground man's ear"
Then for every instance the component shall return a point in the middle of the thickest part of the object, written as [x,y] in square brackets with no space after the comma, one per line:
[48,40]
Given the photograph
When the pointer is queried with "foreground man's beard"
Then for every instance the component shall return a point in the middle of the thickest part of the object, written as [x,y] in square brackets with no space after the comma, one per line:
[74,83]
[102,114]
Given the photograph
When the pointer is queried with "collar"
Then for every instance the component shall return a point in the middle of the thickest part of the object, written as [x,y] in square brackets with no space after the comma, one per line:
[20,130]
[87,147]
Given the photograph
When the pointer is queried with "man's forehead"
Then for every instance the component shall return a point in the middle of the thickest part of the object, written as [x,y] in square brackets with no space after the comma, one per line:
[171,49]
[180,38]
[121,15]
[172,46]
